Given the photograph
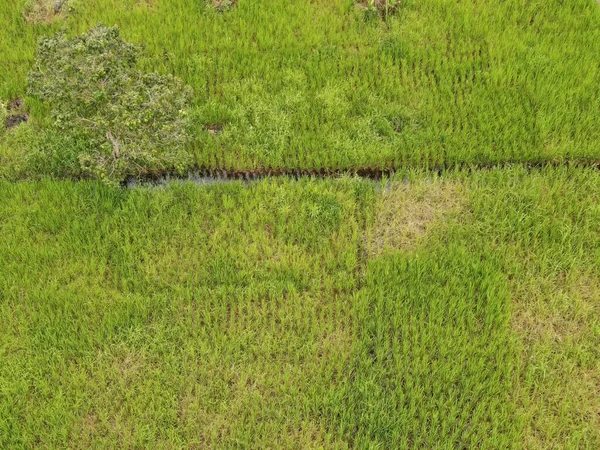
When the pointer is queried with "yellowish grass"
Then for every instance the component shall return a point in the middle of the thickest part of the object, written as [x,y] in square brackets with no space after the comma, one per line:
[46,11]
[557,321]
[247,387]
[405,213]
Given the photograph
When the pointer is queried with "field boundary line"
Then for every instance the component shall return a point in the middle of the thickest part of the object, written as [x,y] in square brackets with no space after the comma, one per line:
[220,175]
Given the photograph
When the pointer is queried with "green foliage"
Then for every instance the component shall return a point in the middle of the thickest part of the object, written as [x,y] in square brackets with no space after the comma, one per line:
[132,122]
[258,316]
[185,315]
[433,349]
[53,152]
[3,114]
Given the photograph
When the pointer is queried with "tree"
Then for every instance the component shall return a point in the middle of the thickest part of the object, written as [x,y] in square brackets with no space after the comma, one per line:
[134,122]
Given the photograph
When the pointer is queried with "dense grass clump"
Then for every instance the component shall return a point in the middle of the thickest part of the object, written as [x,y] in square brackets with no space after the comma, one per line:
[434,362]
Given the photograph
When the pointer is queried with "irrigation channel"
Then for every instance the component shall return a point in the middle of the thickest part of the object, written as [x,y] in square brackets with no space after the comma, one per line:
[207,176]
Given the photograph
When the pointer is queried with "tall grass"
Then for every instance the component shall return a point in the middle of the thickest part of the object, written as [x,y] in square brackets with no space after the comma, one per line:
[312,84]
[435,364]
[176,317]
[253,316]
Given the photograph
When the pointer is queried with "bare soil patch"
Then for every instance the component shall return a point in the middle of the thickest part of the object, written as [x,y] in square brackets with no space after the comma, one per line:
[213,128]
[16,114]
[222,5]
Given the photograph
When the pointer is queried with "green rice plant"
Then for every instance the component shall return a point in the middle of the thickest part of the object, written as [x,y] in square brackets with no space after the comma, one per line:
[434,354]
[256,315]
[204,311]
[548,237]
[442,83]
[531,241]
[427,311]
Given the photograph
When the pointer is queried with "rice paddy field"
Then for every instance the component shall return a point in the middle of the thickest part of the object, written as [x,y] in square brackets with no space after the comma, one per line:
[320,84]
[451,302]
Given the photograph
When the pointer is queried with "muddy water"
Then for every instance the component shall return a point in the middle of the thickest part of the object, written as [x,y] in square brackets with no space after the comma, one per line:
[206,177]
[209,176]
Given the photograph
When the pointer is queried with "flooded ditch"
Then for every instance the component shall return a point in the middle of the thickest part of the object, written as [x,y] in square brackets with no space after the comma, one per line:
[204,176]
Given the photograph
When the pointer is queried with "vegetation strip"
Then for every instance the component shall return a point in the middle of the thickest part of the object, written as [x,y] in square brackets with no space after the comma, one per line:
[382,230]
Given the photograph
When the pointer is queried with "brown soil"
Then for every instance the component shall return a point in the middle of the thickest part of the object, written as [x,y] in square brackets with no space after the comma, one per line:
[16,114]
[223,5]
[214,129]
[12,121]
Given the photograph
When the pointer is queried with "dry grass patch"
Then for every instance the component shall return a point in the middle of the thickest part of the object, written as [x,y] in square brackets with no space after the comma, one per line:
[245,419]
[46,11]
[558,309]
[383,8]
[558,321]
[222,5]
[116,383]
[405,213]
